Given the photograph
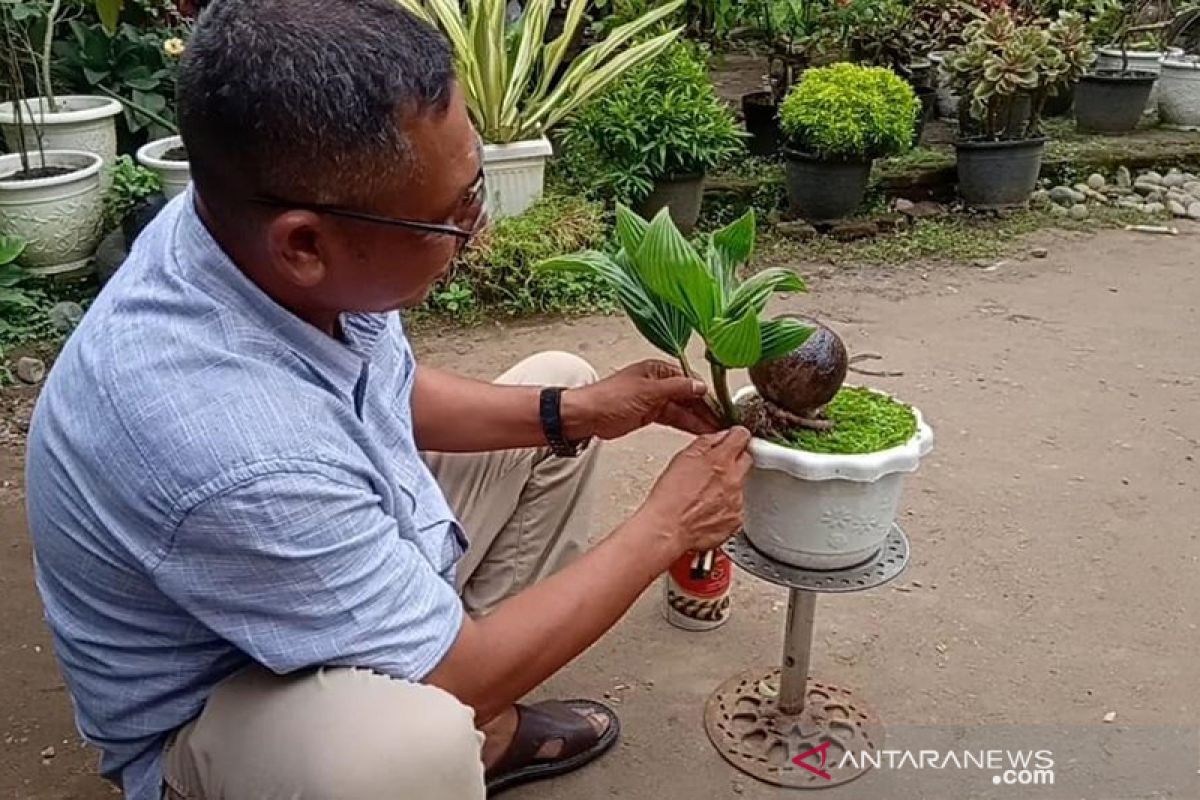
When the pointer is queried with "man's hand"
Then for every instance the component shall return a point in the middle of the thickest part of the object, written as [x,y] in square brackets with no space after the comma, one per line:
[699,495]
[637,396]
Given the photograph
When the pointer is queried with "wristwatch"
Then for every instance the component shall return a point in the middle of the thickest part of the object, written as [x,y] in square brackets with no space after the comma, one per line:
[550,411]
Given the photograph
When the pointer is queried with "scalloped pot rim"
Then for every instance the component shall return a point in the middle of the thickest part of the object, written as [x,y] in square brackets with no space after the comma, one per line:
[860,467]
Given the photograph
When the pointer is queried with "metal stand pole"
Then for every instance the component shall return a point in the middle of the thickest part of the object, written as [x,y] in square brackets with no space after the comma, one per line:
[775,723]
[797,649]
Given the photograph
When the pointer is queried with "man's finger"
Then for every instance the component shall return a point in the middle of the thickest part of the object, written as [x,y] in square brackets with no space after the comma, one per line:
[735,441]
[679,388]
[657,368]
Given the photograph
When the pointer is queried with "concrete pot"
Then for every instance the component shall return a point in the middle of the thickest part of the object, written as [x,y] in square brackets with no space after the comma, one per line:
[60,217]
[821,511]
[1109,58]
[516,175]
[947,99]
[997,175]
[682,195]
[175,175]
[82,122]
[1179,93]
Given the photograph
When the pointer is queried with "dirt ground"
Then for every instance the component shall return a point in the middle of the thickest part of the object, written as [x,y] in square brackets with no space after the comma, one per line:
[1055,576]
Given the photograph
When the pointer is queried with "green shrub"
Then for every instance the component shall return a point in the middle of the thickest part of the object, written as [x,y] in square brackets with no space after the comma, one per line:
[496,277]
[663,118]
[131,183]
[845,111]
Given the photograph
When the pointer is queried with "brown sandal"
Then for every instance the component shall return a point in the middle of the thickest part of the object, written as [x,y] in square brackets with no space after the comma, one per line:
[545,722]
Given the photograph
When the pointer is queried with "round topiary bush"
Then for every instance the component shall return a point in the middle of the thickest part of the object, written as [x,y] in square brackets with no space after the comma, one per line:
[847,112]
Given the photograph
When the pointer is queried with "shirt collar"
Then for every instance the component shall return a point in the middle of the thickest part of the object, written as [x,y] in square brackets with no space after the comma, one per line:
[206,265]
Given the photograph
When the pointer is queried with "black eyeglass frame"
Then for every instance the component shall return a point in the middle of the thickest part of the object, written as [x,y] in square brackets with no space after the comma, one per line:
[478,187]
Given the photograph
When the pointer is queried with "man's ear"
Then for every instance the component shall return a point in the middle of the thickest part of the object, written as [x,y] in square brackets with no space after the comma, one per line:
[294,240]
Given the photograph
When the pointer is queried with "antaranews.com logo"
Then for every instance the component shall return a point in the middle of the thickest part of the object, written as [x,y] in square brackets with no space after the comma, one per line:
[1007,767]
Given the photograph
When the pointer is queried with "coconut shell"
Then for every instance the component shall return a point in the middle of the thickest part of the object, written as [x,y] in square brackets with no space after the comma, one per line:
[807,378]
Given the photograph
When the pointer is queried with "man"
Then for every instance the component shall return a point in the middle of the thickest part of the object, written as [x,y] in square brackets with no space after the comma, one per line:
[252,577]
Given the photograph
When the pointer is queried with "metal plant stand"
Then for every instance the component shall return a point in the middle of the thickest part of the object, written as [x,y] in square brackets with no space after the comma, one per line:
[761,719]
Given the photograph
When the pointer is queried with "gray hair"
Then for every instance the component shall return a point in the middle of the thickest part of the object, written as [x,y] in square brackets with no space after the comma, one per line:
[304,99]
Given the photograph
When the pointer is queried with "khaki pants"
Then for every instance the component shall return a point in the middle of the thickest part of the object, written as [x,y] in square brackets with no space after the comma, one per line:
[351,734]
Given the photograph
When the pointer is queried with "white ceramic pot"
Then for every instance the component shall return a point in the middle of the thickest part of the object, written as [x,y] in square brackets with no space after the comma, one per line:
[1140,60]
[947,99]
[822,511]
[175,175]
[1179,92]
[60,218]
[82,122]
[516,175]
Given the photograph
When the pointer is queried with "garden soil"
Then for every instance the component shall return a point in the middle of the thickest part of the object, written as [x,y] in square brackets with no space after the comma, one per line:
[1055,576]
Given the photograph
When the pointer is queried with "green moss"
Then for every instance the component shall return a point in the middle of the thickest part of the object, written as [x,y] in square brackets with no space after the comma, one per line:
[864,422]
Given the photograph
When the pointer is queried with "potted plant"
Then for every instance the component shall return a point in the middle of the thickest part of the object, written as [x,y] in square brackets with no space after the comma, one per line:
[650,138]
[1113,98]
[518,87]
[1008,70]
[796,38]
[1132,33]
[56,122]
[837,119]
[1179,83]
[52,199]
[829,460]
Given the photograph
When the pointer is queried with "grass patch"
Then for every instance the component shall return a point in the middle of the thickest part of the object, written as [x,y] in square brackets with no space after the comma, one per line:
[952,238]
[864,422]
[496,276]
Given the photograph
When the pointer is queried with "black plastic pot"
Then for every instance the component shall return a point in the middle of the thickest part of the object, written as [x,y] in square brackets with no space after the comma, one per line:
[998,174]
[681,194]
[1060,105]
[1111,101]
[928,97]
[820,190]
[761,116]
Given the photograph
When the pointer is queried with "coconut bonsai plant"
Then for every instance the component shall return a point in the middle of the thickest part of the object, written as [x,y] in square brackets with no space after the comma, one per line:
[837,120]
[1008,70]
[517,86]
[50,198]
[829,460]
[649,139]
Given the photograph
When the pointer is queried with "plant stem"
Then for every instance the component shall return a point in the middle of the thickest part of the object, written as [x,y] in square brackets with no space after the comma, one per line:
[51,16]
[148,114]
[720,380]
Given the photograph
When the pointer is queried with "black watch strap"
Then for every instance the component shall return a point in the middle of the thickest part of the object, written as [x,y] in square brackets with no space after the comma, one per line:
[550,411]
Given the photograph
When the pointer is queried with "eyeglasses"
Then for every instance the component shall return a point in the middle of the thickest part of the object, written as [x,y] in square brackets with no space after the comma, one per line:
[465,234]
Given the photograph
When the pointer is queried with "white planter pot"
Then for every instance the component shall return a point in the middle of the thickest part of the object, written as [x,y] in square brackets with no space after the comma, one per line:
[515,174]
[82,122]
[947,100]
[1179,93]
[175,175]
[60,218]
[822,511]
[1140,60]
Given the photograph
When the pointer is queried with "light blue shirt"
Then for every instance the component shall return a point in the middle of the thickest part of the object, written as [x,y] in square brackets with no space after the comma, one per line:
[212,481]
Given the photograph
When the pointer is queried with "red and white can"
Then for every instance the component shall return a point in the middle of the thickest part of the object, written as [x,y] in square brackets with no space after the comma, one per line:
[696,599]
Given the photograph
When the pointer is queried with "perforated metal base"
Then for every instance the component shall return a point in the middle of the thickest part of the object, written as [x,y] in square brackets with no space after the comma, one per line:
[875,571]
[744,723]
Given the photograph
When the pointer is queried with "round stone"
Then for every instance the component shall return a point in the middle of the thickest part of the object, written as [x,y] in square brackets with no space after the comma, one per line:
[1124,179]
[1078,211]
[1151,177]
[1154,208]
[1194,210]
[30,370]
[1176,208]
[1058,211]
[1173,180]
[1096,181]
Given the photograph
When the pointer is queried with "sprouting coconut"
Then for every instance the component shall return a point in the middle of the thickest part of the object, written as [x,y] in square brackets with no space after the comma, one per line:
[793,389]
